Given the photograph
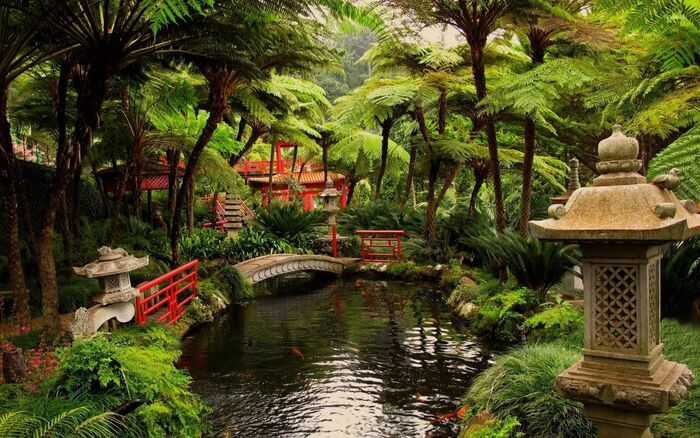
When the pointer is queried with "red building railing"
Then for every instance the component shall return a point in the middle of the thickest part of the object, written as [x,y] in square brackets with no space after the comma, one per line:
[380,245]
[174,290]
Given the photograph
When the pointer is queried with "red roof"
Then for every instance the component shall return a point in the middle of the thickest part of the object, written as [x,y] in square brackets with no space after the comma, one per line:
[306,178]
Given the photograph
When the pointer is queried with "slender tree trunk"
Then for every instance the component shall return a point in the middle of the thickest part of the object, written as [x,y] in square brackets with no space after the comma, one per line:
[8,172]
[89,104]
[219,91]
[190,207]
[478,71]
[138,177]
[479,179]
[324,158]
[241,129]
[100,186]
[270,176]
[117,203]
[528,158]
[173,157]
[386,131]
[449,179]
[431,208]
[442,113]
[351,191]
[295,151]
[254,136]
[28,226]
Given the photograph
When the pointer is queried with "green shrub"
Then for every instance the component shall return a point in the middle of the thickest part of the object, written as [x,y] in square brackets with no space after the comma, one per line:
[453,275]
[198,312]
[535,264]
[381,215]
[251,243]
[211,292]
[291,223]
[70,422]
[521,385]
[557,321]
[408,271]
[681,344]
[76,292]
[204,244]
[499,317]
[236,285]
[506,428]
[138,363]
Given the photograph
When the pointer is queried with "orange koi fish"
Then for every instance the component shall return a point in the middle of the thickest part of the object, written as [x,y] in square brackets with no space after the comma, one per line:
[297,352]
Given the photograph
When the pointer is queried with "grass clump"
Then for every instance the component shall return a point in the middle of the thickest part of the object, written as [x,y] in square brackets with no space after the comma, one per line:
[521,385]
[234,283]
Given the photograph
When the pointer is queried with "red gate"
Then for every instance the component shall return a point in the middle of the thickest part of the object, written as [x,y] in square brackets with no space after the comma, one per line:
[380,245]
[175,289]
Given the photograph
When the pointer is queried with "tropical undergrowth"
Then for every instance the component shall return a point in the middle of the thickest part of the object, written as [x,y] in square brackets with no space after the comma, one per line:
[133,374]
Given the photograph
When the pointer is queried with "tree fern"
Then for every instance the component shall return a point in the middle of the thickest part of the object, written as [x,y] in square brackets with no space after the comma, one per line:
[684,154]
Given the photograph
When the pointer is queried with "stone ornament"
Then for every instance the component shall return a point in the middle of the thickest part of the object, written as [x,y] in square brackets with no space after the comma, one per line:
[621,223]
[117,298]
[668,181]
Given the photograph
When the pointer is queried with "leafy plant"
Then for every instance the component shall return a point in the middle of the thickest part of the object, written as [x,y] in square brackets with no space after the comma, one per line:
[74,422]
[495,428]
[236,284]
[251,243]
[521,385]
[680,275]
[500,316]
[291,223]
[204,244]
[535,264]
[557,320]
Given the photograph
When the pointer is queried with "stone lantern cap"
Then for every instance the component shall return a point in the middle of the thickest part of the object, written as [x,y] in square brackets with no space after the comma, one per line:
[111,262]
[330,194]
[621,205]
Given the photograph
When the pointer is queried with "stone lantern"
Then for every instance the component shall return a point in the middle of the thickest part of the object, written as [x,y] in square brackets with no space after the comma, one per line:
[117,295]
[331,199]
[621,223]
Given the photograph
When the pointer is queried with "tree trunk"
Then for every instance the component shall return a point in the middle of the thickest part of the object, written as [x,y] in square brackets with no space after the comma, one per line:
[479,179]
[190,207]
[136,191]
[14,368]
[89,104]
[270,175]
[8,171]
[478,71]
[173,157]
[528,158]
[218,96]
[295,151]
[254,136]
[442,113]
[324,158]
[431,208]
[409,176]
[351,191]
[449,179]
[386,131]
[117,204]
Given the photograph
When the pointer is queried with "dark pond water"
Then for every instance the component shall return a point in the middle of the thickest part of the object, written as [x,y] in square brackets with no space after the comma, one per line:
[342,358]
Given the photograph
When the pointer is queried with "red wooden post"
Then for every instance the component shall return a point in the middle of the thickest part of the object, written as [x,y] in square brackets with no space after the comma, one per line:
[335,242]
[280,165]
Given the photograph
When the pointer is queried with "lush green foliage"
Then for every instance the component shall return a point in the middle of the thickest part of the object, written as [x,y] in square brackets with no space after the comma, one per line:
[234,283]
[137,364]
[75,422]
[251,243]
[557,321]
[291,223]
[205,244]
[506,428]
[680,275]
[535,264]
[521,385]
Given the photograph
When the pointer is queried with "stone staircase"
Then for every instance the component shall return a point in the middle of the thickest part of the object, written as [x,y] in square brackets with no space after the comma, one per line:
[237,215]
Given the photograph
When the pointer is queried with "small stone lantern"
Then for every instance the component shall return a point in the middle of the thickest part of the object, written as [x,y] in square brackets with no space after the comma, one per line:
[621,224]
[116,300]
[331,199]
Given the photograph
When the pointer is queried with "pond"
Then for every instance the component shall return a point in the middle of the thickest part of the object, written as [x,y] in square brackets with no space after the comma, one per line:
[334,358]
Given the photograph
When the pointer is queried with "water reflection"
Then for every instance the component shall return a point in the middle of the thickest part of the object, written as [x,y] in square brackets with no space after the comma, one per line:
[351,358]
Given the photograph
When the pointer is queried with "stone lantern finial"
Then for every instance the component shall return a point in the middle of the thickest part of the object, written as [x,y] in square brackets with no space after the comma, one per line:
[574,183]
[621,223]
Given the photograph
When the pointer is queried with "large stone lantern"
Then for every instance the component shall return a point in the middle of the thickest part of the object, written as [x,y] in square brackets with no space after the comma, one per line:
[621,224]
[117,294]
[331,199]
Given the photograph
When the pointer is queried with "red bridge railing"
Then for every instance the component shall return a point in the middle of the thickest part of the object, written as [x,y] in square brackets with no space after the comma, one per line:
[174,290]
[380,245]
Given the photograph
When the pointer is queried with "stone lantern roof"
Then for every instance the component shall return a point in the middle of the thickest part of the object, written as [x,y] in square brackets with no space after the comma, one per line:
[621,205]
[111,262]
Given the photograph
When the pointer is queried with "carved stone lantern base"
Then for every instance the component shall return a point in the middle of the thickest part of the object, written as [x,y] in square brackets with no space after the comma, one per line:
[610,397]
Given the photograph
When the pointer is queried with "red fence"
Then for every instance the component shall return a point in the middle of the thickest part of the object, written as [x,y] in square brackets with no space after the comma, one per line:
[174,290]
[380,245]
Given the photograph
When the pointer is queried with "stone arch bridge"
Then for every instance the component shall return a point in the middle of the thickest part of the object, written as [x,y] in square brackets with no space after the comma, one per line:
[262,268]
